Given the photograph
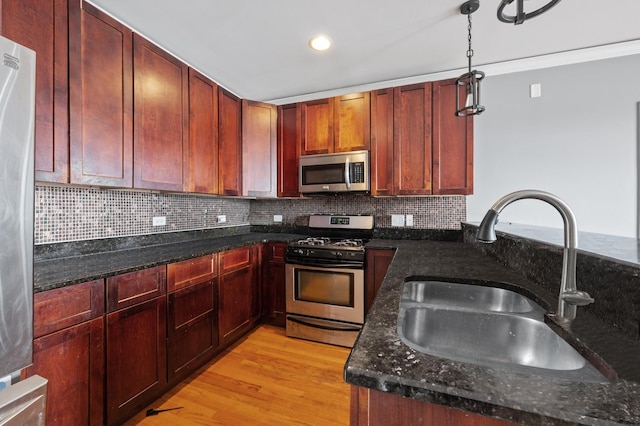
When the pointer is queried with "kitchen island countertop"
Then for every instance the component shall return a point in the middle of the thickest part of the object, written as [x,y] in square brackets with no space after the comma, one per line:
[379,360]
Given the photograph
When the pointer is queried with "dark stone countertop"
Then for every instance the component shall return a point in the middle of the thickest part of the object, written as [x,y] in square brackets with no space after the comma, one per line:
[379,360]
[76,266]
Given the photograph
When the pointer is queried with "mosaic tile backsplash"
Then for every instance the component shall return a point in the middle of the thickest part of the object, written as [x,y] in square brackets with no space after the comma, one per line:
[66,213]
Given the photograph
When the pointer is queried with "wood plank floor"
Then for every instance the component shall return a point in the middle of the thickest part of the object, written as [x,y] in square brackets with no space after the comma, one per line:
[266,379]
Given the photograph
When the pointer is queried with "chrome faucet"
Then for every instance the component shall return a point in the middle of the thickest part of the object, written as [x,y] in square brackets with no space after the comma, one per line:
[570,297]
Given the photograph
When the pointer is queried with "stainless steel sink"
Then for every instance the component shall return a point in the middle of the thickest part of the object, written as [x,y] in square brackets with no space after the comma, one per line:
[487,326]
[465,296]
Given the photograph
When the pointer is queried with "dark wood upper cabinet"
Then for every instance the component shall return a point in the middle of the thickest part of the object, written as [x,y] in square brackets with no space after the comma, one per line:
[452,143]
[100,98]
[352,122]
[161,149]
[203,134]
[229,143]
[382,142]
[412,139]
[42,25]
[259,149]
[317,126]
[289,122]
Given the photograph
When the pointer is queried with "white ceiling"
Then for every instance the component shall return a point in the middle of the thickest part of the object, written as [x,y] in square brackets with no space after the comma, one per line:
[258,48]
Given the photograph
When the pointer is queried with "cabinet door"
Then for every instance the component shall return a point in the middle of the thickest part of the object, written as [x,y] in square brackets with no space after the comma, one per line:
[161,149]
[229,143]
[203,134]
[352,122]
[238,293]
[289,122]
[452,143]
[192,322]
[412,139]
[273,284]
[41,25]
[376,265]
[100,98]
[317,126]
[382,142]
[72,360]
[259,156]
[136,358]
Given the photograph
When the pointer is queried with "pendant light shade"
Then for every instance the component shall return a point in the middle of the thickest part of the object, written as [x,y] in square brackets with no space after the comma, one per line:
[521,15]
[468,84]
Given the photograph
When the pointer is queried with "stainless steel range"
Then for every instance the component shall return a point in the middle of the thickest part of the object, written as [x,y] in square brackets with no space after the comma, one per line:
[325,279]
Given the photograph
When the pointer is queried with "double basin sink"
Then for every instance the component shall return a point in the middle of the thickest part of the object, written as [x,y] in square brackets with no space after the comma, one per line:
[487,326]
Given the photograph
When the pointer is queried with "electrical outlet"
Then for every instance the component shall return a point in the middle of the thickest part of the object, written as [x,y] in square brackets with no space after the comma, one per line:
[535,90]
[277,218]
[397,220]
[222,218]
[159,220]
[408,220]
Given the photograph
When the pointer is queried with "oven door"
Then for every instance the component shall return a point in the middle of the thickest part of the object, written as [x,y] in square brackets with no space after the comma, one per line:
[332,293]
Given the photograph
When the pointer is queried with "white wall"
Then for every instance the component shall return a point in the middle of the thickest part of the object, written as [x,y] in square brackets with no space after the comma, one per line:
[577,141]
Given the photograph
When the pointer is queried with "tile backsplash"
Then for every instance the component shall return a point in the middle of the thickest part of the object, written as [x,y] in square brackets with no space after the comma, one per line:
[67,213]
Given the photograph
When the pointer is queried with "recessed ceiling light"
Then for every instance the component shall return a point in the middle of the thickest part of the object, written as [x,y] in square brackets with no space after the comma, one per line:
[320,42]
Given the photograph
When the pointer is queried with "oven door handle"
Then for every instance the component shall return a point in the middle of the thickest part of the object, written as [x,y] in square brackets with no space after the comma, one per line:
[328,265]
[323,327]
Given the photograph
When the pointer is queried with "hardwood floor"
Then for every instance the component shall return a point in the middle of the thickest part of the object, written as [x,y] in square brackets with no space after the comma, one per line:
[265,379]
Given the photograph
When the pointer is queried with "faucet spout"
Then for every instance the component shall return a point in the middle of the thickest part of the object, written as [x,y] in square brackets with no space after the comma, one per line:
[569,297]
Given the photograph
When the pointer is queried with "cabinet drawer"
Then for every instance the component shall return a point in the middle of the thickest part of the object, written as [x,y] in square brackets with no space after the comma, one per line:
[192,271]
[233,260]
[57,309]
[135,287]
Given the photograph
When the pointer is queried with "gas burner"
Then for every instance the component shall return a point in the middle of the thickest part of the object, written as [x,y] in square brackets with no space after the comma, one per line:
[349,243]
[314,241]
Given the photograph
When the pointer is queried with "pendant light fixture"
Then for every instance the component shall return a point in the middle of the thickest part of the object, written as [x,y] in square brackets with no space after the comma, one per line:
[468,84]
[521,15]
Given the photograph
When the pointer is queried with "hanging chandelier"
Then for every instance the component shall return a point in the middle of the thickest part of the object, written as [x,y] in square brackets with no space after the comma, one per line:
[468,84]
[521,15]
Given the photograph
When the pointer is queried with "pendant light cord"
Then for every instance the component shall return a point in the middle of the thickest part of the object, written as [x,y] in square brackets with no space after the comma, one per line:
[470,51]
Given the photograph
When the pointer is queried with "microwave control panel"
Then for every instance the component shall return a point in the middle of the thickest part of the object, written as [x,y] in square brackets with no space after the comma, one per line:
[356,170]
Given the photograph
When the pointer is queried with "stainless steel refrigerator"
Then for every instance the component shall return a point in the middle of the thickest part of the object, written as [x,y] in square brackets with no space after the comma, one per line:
[23,401]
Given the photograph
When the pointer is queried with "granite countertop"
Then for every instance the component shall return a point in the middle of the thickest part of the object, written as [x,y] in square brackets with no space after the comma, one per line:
[379,360]
[53,272]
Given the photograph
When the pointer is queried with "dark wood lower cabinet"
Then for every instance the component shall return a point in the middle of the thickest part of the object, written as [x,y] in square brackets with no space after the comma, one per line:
[377,263]
[273,284]
[370,407]
[136,358]
[238,293]
[192,320]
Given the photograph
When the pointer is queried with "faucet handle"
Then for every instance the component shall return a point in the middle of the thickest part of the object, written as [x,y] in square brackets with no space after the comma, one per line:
[577,298]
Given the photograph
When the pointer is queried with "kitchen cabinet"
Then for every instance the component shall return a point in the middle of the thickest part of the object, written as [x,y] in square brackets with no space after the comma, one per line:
[42,25]
[68,351]
[372,408]
[192,317]
[259,149]
[136,333]
[273,284]
[382,142]
[229,143]
[352,122]
[160,126]
[377,263]
[289,122]
[412,140]
[336,124]
[100,98]
[239,292]
[203,134]
[452,143]
[316,126]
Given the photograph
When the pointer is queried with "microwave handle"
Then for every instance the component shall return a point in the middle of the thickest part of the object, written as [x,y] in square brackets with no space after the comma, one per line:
[347,173]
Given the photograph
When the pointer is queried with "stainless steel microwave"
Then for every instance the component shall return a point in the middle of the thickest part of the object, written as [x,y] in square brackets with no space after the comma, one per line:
[340,172]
